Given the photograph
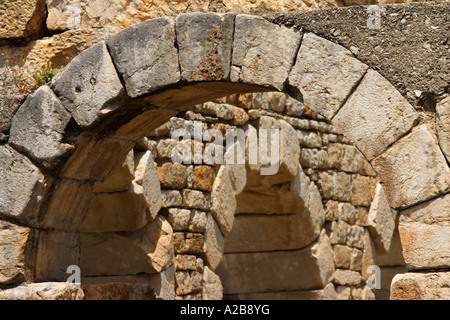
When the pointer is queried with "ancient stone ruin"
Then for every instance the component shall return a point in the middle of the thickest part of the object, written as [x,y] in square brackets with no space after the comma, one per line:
[93,206]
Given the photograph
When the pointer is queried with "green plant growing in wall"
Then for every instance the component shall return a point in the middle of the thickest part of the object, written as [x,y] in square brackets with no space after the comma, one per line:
[44,77]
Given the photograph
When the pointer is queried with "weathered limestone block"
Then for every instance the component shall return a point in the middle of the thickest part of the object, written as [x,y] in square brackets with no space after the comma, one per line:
[443,125]
[179,218]
[94,158]
[38,127]
[238,177]
[421,286]
[203,178]
[43,291]
[257,57]
[310,213]
[361,195]
[171,198]
[289,150]
[188,243]
[15,253]
[63,15]
[186,262]
[89,86]
[223,200]
[324,73]
[373,121]
[342,256]
[355,237]
[278,270]
[147,176]
[381,221]
[194,199]
[347,277]
[256,233]
[119,211]
[145,55]
[23,18]
[425,234]
[148,250]
[214,244]
[413,170]
[327,293]
[205,44]
[120,177]
[172,175]
[56,251]
[69,205]
[212,286]
[198,221]
[22,186]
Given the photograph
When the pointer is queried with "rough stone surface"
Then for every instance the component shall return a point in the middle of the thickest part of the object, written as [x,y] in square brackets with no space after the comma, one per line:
[374,122]
[443,125]
[257,57]
[64,15]
[22,18]
[148,250]
[421,286]
[204,44]
[347,277]
[43,291]
[212,286]
[316,261]
[145,55]
[22,186]
[324,73]
[56,251]
[147,176]
[89,86]
[120,178]
[381,221]
[425,234]
[15,245]
[119,211]
[413,170]
[214,244]
[172,175]
[39,126]
[223,201]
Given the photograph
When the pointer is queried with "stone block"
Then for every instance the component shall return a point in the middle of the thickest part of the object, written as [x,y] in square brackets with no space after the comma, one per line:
[421,286]
[16,253]
[257,57]
[443,125]
[22,186]
[146,56]
[278,270]
[373,121]
[425,234]
[413,170]
[38,127]
[324,73]
[89,86]
[205,45]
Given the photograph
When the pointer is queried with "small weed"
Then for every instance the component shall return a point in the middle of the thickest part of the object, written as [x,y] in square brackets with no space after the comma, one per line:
[44,77]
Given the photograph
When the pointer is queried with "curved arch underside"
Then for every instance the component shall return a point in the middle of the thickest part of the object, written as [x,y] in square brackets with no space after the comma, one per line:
[70,135]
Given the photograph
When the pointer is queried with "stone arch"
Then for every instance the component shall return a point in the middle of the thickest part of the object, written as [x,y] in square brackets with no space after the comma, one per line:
[71,134]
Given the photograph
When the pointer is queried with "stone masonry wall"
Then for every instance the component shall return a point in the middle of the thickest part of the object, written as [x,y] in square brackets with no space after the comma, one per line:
[82,188]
